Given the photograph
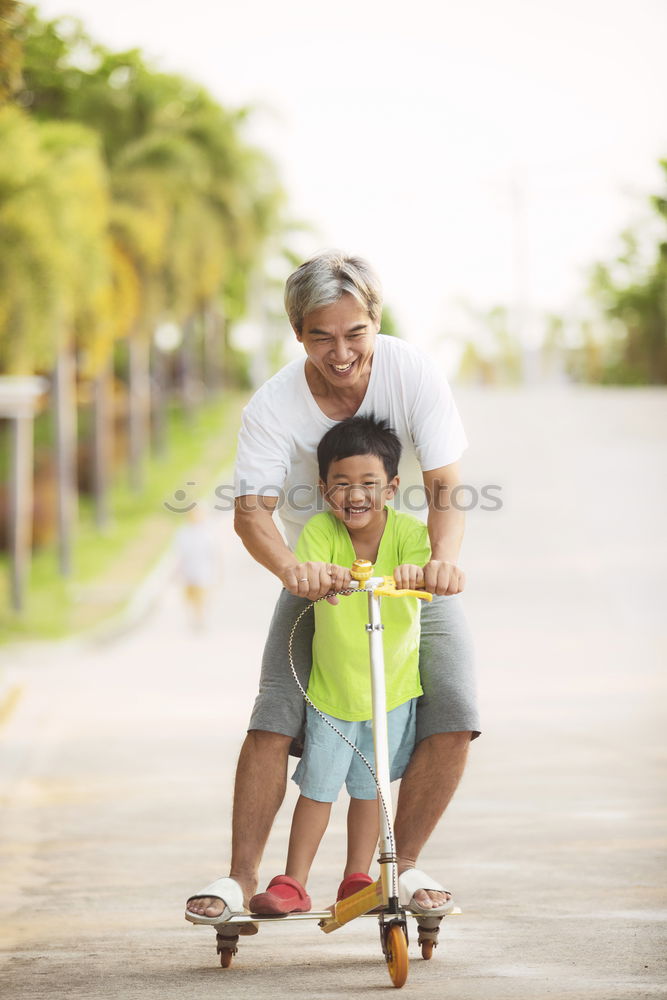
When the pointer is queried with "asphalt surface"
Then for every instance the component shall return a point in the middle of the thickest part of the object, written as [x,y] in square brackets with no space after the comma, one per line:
[117,764]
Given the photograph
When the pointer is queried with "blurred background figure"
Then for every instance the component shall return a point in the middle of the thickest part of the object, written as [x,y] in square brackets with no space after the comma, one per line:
[199,557]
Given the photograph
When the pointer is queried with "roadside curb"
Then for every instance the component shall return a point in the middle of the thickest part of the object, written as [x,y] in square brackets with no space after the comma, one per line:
[10,695]
[140,604]
[131,614]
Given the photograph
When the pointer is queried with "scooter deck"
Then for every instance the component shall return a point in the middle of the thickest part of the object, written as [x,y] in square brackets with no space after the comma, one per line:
[262,918]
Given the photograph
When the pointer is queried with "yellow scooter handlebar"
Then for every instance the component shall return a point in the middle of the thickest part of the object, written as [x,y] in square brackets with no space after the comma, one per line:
[362,571]
[388,589]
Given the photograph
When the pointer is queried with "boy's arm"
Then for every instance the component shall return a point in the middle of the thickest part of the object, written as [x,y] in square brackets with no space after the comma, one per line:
[445,528]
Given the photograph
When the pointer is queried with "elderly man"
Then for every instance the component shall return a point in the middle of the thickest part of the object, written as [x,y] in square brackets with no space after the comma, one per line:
[334,304]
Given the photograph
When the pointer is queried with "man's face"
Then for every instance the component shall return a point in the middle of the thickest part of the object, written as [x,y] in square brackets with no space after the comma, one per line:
[357,490]
[339,340]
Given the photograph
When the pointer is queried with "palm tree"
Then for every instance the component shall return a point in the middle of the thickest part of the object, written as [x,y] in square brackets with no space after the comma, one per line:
[81,207]
[50,269]
[126,197]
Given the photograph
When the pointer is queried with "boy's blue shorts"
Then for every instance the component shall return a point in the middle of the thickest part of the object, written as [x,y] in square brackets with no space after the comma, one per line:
[328,761]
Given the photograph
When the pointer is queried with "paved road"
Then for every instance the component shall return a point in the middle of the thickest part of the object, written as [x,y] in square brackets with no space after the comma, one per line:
[117,765]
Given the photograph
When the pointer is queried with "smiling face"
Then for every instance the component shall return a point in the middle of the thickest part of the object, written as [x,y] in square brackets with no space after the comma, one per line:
[339,340]
[357,489]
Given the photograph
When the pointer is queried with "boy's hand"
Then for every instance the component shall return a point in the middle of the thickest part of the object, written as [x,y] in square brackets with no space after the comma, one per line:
[442,577]
[409,577]
[340,580]
[313,580]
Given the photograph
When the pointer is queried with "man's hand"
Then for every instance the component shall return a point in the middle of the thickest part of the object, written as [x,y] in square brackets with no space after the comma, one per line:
[409,577]
[313,580]
[442,577]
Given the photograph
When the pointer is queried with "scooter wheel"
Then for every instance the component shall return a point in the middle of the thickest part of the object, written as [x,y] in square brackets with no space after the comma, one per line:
[427,949]
[397,955]
[226,956]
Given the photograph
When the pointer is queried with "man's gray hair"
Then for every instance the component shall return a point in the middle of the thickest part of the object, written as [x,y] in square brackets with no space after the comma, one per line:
[324,279]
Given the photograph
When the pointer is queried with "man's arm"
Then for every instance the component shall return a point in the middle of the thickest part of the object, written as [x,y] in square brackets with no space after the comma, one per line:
[445,528]
[254,524]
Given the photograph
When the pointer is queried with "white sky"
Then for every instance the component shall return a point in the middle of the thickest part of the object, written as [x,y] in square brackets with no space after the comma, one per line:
[402,129]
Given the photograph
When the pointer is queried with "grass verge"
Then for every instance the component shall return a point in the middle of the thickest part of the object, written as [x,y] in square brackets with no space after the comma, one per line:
[108,565]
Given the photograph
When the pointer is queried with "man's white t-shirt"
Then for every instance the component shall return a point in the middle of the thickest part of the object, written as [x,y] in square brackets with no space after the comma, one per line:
[282,426]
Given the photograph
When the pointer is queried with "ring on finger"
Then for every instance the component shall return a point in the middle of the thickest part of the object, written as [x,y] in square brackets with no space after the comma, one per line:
[303,579]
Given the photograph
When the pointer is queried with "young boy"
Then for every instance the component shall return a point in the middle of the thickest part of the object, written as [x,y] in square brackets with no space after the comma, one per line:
[358,466]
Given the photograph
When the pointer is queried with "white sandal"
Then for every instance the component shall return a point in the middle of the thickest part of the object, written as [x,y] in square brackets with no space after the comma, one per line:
[229,892]
[410,882]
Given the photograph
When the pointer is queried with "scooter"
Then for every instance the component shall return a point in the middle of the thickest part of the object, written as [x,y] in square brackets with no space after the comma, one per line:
[382,896]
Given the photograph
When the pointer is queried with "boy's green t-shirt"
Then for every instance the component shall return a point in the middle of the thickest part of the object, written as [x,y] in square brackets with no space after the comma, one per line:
[340,677]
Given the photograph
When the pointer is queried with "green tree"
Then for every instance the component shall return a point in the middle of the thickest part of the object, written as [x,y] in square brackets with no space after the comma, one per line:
[11,50]
[30,263]
[127,197]
[632,293]
[54,277]
[389,324]
[191,203]
[495,355]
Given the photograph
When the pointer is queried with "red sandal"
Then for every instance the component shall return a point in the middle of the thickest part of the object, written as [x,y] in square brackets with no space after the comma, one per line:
[353,883]
[283,895]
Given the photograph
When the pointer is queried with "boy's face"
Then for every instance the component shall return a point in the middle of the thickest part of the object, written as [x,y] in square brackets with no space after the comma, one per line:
[357,490]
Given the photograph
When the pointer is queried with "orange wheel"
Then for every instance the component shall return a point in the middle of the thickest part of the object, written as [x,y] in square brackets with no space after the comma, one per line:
[427,949]
[397,955]
[226,956]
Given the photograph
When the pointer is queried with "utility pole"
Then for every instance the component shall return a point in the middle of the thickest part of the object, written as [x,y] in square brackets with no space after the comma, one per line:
[18,402]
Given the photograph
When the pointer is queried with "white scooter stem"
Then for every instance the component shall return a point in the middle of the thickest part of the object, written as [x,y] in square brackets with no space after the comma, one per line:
[388,867]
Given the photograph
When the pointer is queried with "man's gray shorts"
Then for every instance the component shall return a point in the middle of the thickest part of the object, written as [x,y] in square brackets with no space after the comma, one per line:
[448,704]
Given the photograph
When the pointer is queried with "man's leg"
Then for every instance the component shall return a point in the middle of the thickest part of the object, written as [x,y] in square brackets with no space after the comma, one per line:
[446,721]
[261,778]
[259,789]
[431,778]
[261,772]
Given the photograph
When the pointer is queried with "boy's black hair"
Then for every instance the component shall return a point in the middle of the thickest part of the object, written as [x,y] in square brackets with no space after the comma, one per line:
[360,436]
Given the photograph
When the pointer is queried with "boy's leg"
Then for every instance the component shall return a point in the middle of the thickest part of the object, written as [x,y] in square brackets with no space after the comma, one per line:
[363,817]
[309,822]
[319,775]
[363,831]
